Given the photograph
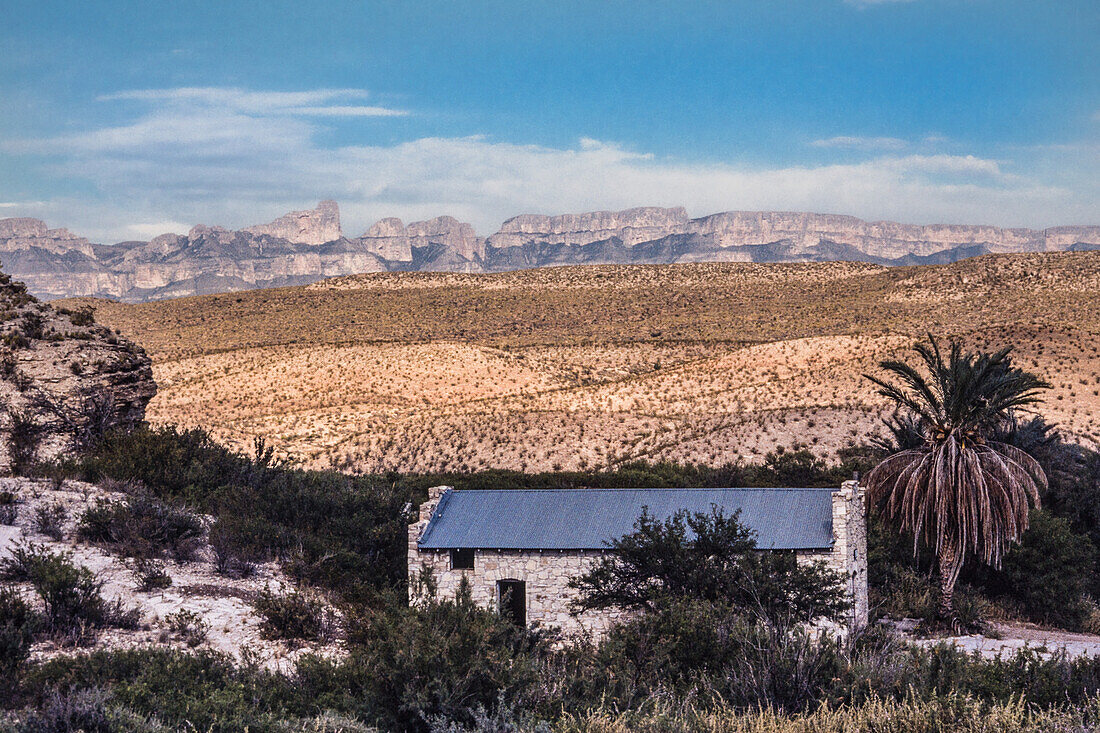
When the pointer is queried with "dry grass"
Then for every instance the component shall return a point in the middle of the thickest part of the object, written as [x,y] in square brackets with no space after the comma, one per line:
[585,366]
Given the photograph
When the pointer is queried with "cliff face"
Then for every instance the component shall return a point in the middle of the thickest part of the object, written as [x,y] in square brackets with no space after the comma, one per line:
[631,226]
[64,380]
[314,226]
[305,246]
[26,234]
[391,240]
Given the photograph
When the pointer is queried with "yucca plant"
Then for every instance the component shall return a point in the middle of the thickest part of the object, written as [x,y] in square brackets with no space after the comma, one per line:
[961,491]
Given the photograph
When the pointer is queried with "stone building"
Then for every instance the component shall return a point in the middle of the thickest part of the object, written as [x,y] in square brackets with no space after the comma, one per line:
[520,547]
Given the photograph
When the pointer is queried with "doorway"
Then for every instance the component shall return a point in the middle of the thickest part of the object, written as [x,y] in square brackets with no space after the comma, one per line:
[512,600]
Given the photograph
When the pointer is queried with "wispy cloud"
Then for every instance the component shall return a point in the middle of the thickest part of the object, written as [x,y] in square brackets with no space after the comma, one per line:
[313,103]
[21,204]
[869,3]
[861,143]
[191,158]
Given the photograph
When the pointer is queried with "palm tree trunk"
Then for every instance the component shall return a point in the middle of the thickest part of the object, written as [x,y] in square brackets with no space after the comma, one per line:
[950,564]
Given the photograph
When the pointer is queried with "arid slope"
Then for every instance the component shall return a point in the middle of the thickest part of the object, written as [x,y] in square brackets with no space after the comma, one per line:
[583,366]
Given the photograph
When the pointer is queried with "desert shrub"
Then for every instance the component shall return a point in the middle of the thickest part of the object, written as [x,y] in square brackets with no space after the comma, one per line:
[49,519]
[17,626]
[507,718]
[81,710]
[913,594]
[176,464]
[710,557]
[298,615]
[151,575]
[142,526]
[186,690]
[33,325]
[1048,574]
[82,316]
[9,368]
[18,566]
[338,532]
[239,544]
[9,508]
[690,645]
[777,669]
[23,439]
[188,626]
[70,594]
[446,658]
[15,339]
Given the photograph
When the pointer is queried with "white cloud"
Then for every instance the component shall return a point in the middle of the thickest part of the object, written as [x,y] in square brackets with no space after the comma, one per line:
[188,160]
[861,143]
[349,110]
[869,3]
[148,230]
[945,164]
[317,102]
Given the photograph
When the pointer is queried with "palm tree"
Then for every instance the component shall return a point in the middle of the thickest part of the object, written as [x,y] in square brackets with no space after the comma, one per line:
[960,490]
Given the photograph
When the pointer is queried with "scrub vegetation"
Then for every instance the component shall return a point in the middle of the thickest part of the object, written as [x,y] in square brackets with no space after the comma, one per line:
[689,661]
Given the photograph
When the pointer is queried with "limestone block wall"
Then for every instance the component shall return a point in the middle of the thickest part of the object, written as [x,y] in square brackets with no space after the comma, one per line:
[849,554]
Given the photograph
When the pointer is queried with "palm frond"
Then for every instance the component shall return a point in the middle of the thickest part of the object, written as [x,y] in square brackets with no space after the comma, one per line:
[964,490]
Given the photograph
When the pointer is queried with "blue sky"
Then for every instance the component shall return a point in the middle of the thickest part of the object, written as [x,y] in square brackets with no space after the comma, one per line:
[122,120]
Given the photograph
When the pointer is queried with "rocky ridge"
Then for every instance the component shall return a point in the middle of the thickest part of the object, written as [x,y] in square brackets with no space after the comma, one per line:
[64,379]
[306,246]
[313,226]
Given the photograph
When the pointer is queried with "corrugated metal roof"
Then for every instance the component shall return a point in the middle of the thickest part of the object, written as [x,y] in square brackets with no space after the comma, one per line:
[586,519]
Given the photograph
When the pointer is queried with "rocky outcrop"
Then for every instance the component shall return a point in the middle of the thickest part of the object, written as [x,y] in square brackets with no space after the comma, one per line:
[26,234]
[306,246]
[64,380]
[631,226]
[314,226]
[391,240]
[883,240]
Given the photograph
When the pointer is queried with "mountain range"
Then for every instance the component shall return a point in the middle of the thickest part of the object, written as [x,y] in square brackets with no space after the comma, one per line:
[305,246]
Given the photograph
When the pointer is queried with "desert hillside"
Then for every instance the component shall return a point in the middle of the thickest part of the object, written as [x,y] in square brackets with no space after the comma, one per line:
[586,366]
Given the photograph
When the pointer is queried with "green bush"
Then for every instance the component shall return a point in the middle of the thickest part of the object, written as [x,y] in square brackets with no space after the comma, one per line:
[82,710]
[240,543]
[142,526]
[49,519]
[9,508]
[912,594]
[709,557]
[338,532]
[18,623]
[1049,573]
[70,594]
[407,666]
[298,615]
[151,575]
[687,645]
[188,626]
[200,690]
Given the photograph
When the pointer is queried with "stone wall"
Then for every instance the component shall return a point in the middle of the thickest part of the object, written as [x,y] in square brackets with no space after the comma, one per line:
[547,573]
[849,553]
